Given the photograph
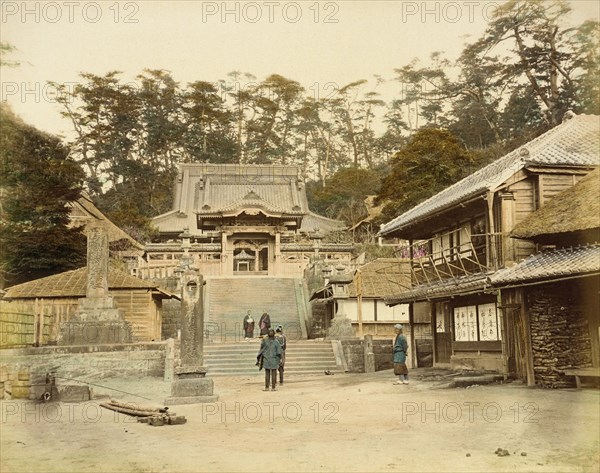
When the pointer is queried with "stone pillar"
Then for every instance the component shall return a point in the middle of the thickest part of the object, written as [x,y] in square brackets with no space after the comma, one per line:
[369,354]
[277,270]
[97,320]
[191,385]
[226,255]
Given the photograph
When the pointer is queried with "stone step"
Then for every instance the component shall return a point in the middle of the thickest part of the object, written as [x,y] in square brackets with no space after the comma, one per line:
[306,357]
[255,346]
[230,298]
[252,361]
[251,355]
[304,344]
[260,373]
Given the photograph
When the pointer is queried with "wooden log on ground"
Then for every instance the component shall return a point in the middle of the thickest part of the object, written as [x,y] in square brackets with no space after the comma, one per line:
[131,405]
[124,410]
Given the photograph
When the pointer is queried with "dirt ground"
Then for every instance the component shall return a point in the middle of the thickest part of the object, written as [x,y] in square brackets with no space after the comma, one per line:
[344,422]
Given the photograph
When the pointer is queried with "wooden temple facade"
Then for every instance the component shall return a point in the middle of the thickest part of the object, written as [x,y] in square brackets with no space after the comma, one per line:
[240,220]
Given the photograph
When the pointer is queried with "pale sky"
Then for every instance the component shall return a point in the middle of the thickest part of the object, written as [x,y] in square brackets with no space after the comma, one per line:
[320,44]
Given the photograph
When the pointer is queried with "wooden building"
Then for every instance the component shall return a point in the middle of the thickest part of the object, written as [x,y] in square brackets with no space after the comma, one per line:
[240,220]
[459,238]
[33,311]
[366,287]
[553,297]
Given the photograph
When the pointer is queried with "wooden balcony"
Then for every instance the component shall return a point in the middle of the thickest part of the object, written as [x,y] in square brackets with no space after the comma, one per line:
[432,261]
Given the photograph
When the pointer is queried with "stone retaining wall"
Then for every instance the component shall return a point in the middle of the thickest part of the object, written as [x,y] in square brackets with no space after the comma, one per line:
[23,367]
[355,358]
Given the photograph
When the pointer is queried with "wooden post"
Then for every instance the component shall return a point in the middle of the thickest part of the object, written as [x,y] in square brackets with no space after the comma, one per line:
[413,348]
[527,338]
[491,252]
[358,283]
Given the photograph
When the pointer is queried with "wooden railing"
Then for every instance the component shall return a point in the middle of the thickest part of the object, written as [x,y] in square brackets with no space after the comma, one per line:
[481,253]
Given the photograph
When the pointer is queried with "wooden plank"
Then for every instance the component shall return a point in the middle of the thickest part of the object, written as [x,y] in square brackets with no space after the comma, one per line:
[590,372]
[527,335]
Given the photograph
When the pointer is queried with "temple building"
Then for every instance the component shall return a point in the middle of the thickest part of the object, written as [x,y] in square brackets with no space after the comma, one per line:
[240,220]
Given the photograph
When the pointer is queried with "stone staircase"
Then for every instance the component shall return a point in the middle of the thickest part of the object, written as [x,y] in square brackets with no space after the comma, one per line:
[228,300]
[303,357]
[226,353]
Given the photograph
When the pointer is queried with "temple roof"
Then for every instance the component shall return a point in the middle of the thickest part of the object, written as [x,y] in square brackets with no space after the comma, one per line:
[228,190]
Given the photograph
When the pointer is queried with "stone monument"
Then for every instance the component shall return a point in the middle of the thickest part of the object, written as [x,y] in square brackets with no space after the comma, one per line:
[97,320]
[191,385]
[341,328]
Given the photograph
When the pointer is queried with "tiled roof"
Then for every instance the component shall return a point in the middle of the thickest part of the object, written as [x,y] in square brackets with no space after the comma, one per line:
[574,209]
[226,197]
[552,264]
[471,284]
[383,277]
[73,284]
[313,222]
[211,190]
[575,142]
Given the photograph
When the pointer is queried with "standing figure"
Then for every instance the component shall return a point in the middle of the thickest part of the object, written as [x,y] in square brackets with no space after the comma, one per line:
[269,358]
[264,324]
[281,338]
[400,353]
[248,326]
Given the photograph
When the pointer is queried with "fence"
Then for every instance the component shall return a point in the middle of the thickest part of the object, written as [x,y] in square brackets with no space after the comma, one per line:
[17,329]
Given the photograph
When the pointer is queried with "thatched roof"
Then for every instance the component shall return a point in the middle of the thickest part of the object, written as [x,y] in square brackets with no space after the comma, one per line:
[74,284]
[576,209]
[383,277]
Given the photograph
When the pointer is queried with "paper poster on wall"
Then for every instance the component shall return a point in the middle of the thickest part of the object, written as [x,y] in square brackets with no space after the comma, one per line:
[488,322]
[472,322]
[465,324]
[440,323]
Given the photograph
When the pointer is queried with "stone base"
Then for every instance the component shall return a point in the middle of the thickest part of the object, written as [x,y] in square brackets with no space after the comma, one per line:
[192,387]
[174,401]
[191,391]
[97,332]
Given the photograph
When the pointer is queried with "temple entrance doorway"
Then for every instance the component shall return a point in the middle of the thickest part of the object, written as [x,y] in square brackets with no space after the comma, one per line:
[251,256]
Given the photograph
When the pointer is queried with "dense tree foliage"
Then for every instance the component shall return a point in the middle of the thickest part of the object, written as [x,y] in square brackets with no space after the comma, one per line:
[344,196]
[37,181]
[432,160]
[506,87]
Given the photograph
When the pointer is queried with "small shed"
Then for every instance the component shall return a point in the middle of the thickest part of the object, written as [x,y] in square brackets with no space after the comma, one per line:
[31,313]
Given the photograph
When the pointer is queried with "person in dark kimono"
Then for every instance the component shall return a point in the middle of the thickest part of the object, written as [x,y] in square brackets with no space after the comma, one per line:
[269,358]
[280,337]
[264,324]
[400,353]
[248,326]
